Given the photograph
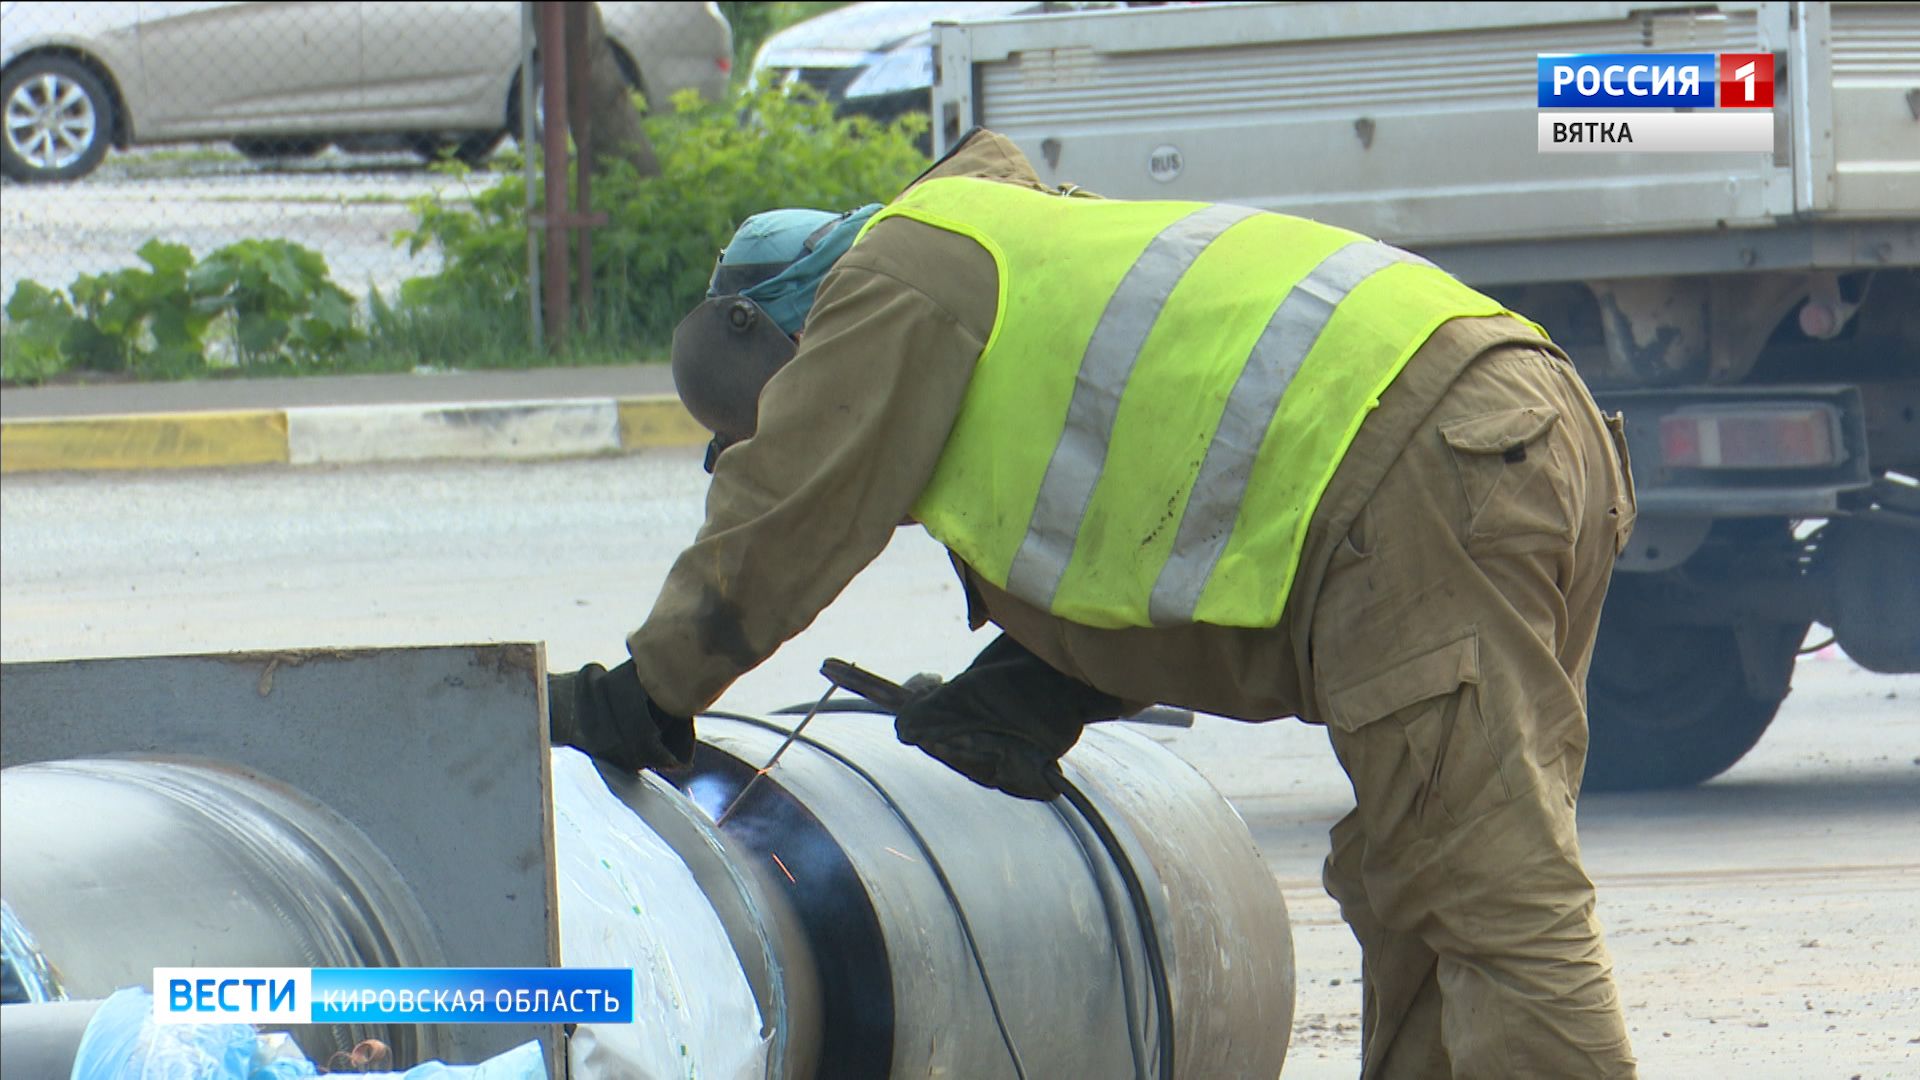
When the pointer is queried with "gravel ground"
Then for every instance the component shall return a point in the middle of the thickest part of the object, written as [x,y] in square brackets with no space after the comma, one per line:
[347,207]
[1763,924]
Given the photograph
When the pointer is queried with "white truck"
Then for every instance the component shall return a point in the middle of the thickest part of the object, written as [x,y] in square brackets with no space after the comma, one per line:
[1756,317]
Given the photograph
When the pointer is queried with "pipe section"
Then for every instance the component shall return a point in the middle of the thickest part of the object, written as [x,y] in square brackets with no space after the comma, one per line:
[1042,901]
[891,917]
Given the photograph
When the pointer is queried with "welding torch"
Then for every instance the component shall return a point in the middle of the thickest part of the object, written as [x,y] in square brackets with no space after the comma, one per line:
[891,697]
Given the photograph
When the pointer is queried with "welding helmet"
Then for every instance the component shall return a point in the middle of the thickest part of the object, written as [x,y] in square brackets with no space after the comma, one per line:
[727,348]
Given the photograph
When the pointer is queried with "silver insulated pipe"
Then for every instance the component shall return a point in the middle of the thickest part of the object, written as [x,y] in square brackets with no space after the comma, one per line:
[956,931]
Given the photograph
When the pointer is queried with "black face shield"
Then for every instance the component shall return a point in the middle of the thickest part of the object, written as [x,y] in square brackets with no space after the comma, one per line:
[724,352]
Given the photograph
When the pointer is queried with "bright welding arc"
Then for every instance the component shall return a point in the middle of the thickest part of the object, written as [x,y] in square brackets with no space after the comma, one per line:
[768,767]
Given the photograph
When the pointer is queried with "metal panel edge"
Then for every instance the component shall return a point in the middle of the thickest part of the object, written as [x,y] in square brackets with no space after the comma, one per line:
[953,87]
[1812,103]
[1203,25]
[1803,246]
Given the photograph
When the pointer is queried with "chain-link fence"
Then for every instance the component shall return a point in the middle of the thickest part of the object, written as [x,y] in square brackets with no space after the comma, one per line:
[204,124]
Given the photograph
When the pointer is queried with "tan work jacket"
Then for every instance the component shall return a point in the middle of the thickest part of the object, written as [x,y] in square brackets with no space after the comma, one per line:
[850,431]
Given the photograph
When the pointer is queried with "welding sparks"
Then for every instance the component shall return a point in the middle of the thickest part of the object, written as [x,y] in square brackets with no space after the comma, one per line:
[902,854]
[783,867]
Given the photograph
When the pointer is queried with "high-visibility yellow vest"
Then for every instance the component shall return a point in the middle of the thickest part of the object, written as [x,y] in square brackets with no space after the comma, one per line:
[1164,397]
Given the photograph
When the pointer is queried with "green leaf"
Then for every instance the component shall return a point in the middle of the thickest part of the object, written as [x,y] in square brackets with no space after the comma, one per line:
[88,291]
[259,335]
[333,311]
[167,260]
[213,277]
[284,272]
[35,340]
[32,300]
[379,314]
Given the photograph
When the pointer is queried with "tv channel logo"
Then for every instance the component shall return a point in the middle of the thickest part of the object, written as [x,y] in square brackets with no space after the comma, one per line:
[1746,80]
[232,995]
[1671,102]
[1627,81]
[278,996]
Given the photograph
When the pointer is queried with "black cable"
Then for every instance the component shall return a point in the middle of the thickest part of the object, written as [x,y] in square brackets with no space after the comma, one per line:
[1111,901]
[1149,934]
[833,705]
[946,886]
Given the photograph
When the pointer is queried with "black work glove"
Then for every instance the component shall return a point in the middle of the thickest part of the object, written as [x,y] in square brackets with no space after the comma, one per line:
[1005,721]
[609,715]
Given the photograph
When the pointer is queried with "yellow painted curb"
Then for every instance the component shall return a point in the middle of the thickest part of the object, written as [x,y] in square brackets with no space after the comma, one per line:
[145,441]
[658,421]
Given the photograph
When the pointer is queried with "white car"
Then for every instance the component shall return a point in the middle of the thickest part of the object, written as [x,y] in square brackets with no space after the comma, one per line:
[288,79]
[877,58]
[872,58]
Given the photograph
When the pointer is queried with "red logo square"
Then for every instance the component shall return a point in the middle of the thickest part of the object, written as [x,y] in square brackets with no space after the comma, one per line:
[1746,80]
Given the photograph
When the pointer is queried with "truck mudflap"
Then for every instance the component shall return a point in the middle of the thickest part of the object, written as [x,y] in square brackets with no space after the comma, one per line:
[1723,452]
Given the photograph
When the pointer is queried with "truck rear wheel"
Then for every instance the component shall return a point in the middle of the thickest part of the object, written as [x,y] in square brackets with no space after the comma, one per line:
[1672,705]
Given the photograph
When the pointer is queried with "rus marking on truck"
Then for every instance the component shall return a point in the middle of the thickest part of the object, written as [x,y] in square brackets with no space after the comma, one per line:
[1165,163]
[1575,131]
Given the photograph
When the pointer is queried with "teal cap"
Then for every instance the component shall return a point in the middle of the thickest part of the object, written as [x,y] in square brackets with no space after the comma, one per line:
[778,258]
[764,245]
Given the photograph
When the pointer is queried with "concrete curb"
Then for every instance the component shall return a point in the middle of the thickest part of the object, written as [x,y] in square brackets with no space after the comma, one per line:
[348,434]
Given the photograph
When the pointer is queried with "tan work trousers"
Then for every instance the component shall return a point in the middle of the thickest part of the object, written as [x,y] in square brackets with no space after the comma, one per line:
[1450,644]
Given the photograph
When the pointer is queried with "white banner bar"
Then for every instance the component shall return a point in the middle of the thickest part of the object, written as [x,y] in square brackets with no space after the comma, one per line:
[1585,131]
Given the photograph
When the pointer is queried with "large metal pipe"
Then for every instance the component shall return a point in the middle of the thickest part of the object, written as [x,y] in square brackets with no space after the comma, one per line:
[116,867]
[850,827]
[892,918]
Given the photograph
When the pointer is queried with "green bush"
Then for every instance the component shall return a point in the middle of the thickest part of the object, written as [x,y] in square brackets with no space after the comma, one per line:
[256,302]
[34,346]
[262,306]
[284,306]
[720,164]
[142,321]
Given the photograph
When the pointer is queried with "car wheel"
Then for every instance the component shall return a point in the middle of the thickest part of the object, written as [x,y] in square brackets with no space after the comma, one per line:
[281,149]
[1671,705]
[59,120]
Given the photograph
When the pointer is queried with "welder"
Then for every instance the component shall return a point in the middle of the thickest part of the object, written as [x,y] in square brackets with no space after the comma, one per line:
[1195,454]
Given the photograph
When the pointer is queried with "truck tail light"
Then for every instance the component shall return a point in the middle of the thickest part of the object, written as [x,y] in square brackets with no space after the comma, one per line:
[1752,437]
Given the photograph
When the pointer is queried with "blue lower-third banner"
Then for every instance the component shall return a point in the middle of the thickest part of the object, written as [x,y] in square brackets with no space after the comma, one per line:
[393,995]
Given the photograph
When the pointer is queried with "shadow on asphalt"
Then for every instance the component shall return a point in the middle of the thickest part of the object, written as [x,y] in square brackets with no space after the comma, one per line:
[1892,789]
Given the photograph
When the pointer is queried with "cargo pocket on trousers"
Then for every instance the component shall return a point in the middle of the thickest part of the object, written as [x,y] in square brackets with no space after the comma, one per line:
[1626,504]
[1513,476]
[1413,742]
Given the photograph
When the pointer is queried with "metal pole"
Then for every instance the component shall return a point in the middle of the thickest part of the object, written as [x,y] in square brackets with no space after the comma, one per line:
[553,79]
[529,123]
[580,58]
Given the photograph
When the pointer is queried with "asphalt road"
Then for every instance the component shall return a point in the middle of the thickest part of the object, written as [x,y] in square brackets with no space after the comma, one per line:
[1763,925]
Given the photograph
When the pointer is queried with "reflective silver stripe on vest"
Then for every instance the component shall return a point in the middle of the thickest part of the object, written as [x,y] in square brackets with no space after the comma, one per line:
[1297,323]
[1074,469]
